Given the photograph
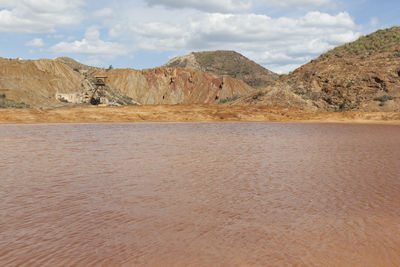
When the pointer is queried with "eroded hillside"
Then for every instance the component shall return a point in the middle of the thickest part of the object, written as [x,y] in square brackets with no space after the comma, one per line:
[55,83]
[174,86]
[36,82]
[362,76]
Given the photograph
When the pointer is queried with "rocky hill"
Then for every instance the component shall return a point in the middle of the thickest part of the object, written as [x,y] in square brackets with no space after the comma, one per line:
[55,83]
[36,82]
[363,75]
[226,63]
[175,86]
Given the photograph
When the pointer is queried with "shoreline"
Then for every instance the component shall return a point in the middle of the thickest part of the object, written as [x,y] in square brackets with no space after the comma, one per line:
[190,113]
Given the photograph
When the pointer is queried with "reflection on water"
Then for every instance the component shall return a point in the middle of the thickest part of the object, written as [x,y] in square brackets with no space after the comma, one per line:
[200,194]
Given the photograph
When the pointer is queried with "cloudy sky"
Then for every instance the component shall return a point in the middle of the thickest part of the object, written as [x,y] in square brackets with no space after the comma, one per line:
[278,34]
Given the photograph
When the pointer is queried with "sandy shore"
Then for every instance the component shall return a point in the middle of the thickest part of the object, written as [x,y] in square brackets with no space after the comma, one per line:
[189,113]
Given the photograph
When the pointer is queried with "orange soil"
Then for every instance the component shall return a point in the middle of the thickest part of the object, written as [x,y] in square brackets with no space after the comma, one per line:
[189,113]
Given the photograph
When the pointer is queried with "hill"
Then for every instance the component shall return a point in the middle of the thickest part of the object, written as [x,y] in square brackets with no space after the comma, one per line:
[226,63]
[56,83]
[363,76]
[175,86]
[75,65]
[36,82]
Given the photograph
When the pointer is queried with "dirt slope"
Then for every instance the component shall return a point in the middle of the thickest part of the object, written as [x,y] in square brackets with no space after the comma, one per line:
[36,82]
[174,86]
[361,76]
[54,83]
[185,113]
[226,63]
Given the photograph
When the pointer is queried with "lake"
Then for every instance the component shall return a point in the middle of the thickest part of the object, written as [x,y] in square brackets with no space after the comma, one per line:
[200,194]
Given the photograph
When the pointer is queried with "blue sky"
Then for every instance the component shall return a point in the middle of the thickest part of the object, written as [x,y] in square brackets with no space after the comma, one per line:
[281,35]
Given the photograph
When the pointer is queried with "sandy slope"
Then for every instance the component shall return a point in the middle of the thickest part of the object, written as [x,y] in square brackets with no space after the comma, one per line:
[186,113]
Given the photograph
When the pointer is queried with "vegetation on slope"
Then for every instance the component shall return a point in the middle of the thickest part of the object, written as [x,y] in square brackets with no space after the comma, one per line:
[377,42]
[226,63]
[8,103]
[75,65]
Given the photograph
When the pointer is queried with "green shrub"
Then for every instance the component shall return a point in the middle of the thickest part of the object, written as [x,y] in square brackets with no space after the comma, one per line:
[8,103]
[397,54]
[380,41]
[229,99]
[383,99]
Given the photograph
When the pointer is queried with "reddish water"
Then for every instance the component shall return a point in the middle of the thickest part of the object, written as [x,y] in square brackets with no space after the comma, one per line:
[200,194]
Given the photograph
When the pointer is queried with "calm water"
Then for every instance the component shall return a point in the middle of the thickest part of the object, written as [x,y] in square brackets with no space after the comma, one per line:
[200,194]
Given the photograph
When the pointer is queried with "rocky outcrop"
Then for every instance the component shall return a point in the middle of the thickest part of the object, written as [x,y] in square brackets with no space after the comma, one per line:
[226,64]
[174,86]
[360,76]
[351,83]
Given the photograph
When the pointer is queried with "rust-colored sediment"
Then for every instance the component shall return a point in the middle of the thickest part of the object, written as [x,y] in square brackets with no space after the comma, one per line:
[186,113]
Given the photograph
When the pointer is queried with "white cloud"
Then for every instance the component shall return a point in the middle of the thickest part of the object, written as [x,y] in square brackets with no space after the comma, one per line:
[297,3]
[318,19]
[238,6]
[91,45]
[224,6]
[37,42]
[277,42]
[38,16]
[105,12]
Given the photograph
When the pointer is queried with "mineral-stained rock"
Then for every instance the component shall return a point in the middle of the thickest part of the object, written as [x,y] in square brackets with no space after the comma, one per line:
[174,86]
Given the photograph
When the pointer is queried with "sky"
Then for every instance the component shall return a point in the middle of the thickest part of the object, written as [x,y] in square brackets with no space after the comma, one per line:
[280,35]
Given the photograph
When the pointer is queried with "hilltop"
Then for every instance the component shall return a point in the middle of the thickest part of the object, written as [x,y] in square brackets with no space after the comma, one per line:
[362,76]
[75,65]
[380,41]
[226,63]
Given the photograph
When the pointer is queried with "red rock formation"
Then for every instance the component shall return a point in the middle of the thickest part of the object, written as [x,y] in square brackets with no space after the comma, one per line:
[174,86]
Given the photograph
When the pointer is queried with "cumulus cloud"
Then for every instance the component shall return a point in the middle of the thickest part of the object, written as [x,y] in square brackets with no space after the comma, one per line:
[179,27]
[224,6]
[37,42]
[297,3]
[237,6]
[91,45]
[276,43]
[38,16]
[105,12]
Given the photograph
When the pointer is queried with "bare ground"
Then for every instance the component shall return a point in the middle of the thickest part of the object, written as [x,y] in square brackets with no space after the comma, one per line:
[189,113]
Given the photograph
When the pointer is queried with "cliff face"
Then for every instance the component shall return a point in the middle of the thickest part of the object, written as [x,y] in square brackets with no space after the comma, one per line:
[174,86]
[37,82]
[361,76]
[226,63]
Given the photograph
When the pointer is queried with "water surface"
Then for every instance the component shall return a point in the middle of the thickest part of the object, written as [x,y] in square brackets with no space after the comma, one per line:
[200,194]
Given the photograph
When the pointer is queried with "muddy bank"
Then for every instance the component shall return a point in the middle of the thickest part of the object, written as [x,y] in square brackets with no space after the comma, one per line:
[189,113]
